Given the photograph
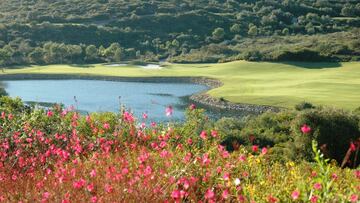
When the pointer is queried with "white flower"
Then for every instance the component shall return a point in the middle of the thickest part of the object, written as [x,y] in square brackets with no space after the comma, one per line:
[237,181]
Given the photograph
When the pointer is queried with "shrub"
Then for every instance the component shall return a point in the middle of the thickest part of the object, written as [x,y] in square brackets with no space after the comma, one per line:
[304,105]
[333,129]
[301,55]
[268,129]
[138,63]
[230,131]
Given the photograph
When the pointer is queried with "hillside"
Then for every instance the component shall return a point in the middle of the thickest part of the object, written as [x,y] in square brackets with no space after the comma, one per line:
[79,31]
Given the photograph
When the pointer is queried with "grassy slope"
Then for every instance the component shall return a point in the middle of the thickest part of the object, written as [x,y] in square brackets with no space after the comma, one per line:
[275,84]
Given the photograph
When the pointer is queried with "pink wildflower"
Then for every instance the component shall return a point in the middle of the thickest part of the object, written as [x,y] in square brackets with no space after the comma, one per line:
[209,194]
[145,116]
[49,113]
[203,135]
[214,133]
[106,126]
[225,194]
[317,186]
[314,199]
[175,194]
[305,129]
[264,150]
[93,173]
[352,147]
[295,195]
[94,199]
[354,198]
[169,110]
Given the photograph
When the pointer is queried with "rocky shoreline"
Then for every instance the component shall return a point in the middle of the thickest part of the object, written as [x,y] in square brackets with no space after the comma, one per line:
[200,98]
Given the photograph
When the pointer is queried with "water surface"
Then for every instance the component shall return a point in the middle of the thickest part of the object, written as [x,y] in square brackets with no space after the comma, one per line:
[100,96]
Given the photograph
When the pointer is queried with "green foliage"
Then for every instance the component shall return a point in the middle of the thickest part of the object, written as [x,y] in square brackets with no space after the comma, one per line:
[303,106]
[218,34]
[268,129]
[333,129]
[180,31]
[324,174]
[301,55]
[253,31]
[9,105]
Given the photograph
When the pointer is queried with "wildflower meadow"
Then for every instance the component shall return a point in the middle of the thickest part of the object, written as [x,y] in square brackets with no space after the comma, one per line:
[58,155]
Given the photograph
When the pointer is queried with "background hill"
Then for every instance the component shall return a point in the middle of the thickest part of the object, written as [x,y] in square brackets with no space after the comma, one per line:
[78,31]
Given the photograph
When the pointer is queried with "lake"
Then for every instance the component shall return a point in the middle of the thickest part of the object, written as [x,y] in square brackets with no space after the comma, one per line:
[100,96]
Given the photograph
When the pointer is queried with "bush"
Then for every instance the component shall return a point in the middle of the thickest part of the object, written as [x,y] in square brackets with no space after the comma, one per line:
[268,129]
[304,105]
[301,55]
[230,131]
[333,129]
[138,63]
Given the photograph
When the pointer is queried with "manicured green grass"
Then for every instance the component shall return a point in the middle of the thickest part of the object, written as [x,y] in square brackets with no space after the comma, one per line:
[275,84]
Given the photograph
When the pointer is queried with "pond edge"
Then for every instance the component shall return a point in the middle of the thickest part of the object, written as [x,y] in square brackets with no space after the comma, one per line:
[200,98]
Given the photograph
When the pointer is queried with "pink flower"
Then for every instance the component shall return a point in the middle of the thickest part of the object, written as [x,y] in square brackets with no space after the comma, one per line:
[90,187]
[357,174]
[94,199]
[255,148]
[49,113]
[226,176]
[354,198]
[192,106]
[317,186]
[264,150]
[106,126]
[93,173]
[352,147]
[209,194]
[272,199]
[203,135]
[295,195]
[175,194]
[305,129]
[314,199]
[46,195]
[145,116]
[128,117]
[205,159]
[241,198]
[225,194]
[242,158]
[214,133]
[124,171]
[169,110]
[108,188]
[79,184]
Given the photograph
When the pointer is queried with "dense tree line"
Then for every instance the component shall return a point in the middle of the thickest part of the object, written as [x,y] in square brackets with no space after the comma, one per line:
[59,53]
[157,29]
